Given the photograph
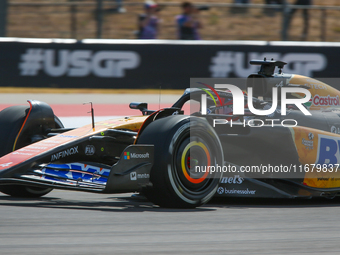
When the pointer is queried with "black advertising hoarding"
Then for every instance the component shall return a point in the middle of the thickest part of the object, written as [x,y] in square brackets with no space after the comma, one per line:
[150,64]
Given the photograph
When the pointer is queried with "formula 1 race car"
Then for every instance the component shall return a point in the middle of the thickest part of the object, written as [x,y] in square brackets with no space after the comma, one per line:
[159,152]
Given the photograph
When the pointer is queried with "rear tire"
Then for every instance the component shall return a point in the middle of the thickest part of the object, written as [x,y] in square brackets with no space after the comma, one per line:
[11,120]
[181,141]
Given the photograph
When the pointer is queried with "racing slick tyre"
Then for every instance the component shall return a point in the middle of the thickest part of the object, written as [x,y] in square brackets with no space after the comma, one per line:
[11,120]
[181,144]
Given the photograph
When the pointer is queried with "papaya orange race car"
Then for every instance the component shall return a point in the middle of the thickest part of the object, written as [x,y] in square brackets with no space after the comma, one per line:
[160,152]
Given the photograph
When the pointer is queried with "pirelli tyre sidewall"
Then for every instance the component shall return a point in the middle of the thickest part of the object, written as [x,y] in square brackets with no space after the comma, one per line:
[179,141]
[11,120]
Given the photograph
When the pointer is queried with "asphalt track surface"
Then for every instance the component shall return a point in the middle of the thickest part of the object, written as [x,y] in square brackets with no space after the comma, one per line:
[65,222]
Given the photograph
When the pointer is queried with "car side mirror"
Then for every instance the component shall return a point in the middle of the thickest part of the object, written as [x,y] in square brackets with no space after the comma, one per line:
[143,107]
[138,106]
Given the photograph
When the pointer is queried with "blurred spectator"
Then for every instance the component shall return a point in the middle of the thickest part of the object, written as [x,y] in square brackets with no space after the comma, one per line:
[120,7]
[188,22]
[235,10]
[241,1]
[273,1]
[305,17]
[148,23]
[270,11]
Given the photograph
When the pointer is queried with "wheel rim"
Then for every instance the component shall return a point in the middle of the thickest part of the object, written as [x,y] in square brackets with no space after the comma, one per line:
[193,152]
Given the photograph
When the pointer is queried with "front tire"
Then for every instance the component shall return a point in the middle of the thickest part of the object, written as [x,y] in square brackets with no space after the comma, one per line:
[182,143]
[24,191]
[11,120]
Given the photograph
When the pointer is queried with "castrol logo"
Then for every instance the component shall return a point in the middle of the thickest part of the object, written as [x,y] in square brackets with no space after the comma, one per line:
[325,100]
